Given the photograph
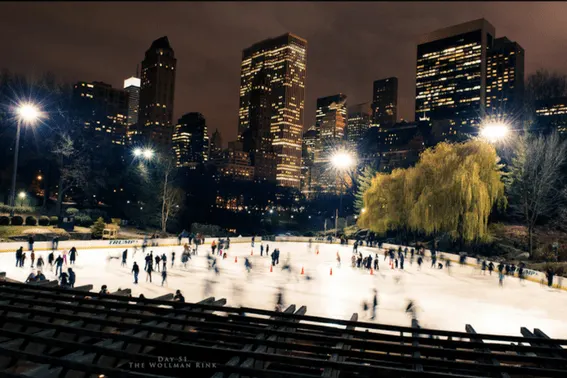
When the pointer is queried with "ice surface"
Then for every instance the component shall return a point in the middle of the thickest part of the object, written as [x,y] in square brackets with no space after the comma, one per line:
[444,301]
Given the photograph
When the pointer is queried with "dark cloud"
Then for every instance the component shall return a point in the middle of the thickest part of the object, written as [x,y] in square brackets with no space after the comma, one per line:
[350,44]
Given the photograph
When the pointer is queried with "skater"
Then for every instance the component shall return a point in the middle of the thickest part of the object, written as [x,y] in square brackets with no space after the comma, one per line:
[58,264]
[267,249]
[184,258]
[40,276]
[490,268]
[261,249]
[396,263]
[253,238]
[164,261]
[374,304]
[65,257]
[500,278]
[213,247]
[149,270]
[402,257]
[124,257]
[147,259]
[353,260]
[72,277]
[136,271]
[483,267]
[158,259]
[179,237]
[419,262]
[163,276]
[369,262]
[54,243]
[359,260]
[32,258]
[51,259]
[385,255]
[73,255]
[64,280]
[30,243]
[338,260]
[279,300]
[31,278]
[179,297]
[549,274]
[376,267]
[247,264]
[19,253]
[433,260]
[40,262]
[172,258]
[23,260]
[411,310]
[103,291]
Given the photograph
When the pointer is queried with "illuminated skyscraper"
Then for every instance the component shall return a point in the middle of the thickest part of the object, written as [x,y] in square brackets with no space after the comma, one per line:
[215,147]
[359,120]
[505,78]
[156,93]
[331,117]
[385,102]
[272,85]
[132,87]
[451,77]
[552,115]
[191,140]
[102,110]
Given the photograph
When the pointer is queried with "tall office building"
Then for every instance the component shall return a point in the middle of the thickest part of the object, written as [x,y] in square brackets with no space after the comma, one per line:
[215,146]
[156,93]
[191,140]
[331,117]
[451,77]
[132,87]
[505,79]
[359,121]
[310,144]
[273,73]
[551,115]
[102,110]
[385,102]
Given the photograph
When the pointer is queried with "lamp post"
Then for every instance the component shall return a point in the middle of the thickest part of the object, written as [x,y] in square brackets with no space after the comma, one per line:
[341,161]
[27,114]
[494,132]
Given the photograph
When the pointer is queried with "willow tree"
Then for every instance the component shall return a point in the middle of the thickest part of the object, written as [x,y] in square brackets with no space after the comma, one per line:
[452,189]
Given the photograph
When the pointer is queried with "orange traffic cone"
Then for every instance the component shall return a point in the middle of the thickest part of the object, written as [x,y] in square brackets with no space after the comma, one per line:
[235,259]
[251,252]
[371,272]
[317,250]
[331,273]
[271,268]
[302,271]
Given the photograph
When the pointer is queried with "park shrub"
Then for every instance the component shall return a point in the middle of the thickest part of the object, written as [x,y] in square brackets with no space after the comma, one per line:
[83,220]
[17,220]
[31,221]
[53,220]
[98,228]
[43,221]
[16,209]
[4,220]
[72,211]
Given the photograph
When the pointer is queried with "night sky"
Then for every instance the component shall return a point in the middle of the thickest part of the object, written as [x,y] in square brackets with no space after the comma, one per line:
[349,44]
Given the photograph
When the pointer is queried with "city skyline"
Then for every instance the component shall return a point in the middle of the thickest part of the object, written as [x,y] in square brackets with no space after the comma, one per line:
[208,78]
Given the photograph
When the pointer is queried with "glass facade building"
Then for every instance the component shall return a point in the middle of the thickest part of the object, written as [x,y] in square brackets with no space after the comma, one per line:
[451,77]
[191,140]
[385,102]
[359,121]
[272,86]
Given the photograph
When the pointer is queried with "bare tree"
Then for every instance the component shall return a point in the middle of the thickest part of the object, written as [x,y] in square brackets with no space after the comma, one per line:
[73,168]
[535,186]
[172,197]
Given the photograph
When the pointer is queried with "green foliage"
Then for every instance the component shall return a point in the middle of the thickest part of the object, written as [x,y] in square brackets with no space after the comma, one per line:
[31,221]
[71,211]
[83,220]
[364,182]
[98,228]
[452,189]
[53,220]
[17,209]
[17,220]
[4,220]
[43,221]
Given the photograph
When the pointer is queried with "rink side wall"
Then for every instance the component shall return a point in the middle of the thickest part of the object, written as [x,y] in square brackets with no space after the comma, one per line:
[531,275]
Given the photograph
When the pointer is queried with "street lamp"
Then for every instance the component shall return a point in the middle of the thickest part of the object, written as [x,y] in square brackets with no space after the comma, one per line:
[22,196]
[494,131]
[27,114]
[342,161]
[145,153]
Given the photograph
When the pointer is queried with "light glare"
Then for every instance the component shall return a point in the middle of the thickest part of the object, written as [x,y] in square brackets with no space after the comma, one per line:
[28,113]
[342,160]
[494,132]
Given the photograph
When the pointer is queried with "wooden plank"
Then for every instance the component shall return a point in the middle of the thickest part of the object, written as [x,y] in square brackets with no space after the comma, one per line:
[328,372]
[493,361]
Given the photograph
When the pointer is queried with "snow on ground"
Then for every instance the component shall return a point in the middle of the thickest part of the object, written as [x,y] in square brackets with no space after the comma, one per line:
[444,301]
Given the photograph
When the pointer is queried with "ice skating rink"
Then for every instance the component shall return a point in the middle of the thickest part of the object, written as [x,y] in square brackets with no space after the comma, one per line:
[444,301]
